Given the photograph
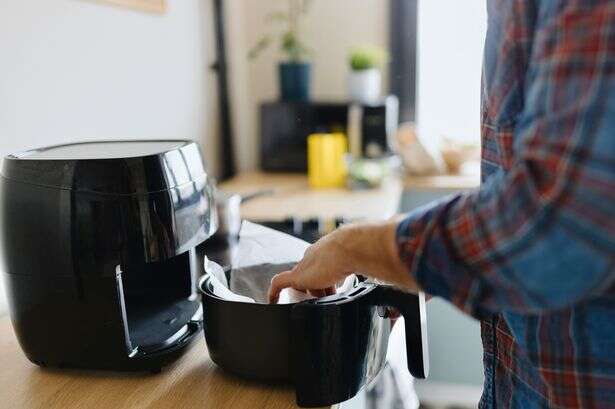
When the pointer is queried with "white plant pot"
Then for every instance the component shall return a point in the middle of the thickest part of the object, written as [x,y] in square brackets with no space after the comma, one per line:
[364,86]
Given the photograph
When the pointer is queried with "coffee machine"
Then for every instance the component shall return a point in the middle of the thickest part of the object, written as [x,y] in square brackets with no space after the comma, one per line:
[285,126]
[99,251]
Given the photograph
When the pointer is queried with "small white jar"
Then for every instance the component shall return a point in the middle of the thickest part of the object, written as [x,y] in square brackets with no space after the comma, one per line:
[364,86]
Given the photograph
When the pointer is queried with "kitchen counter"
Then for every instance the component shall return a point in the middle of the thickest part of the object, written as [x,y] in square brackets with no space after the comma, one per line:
[462,181]
[192,382]
[292,197]
[195,381]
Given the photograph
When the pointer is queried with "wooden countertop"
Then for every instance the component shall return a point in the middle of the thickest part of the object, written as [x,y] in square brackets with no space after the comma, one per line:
[195,381]
[292,197]
[443,182]
[192,382]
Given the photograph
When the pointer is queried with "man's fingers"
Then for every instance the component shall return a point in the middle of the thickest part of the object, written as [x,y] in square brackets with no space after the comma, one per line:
[317,293]
[278,283]
[322,292]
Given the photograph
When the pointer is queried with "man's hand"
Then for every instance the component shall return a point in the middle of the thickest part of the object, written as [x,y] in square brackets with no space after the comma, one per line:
[367,248]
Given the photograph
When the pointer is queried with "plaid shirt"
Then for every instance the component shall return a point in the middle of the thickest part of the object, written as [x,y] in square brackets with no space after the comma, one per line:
[532,252]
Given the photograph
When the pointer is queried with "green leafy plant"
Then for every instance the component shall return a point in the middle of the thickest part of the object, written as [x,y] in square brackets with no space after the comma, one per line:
[288,26]
[365,58]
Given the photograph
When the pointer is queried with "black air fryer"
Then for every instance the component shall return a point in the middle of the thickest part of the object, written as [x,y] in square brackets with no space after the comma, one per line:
[98,243]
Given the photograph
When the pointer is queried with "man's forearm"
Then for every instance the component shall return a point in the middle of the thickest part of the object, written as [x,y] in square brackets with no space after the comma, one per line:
[373,251]
[367,248]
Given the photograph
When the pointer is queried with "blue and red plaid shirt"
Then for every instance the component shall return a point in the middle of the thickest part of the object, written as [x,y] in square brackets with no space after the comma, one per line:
[532,252]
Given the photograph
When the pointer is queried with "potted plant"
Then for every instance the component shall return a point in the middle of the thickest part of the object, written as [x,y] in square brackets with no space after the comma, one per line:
[294,72]
[364,80]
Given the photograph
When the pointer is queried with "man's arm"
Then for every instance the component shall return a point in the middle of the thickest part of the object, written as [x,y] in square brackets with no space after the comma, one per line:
[366,248]
[541,236]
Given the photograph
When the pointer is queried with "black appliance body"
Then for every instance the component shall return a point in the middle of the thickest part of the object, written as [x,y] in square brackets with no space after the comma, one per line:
[328,348]
[285,126]
[98,243]
[371,128]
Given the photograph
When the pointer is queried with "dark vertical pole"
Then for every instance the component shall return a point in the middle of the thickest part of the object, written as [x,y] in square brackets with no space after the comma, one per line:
[402,70]
[226,132]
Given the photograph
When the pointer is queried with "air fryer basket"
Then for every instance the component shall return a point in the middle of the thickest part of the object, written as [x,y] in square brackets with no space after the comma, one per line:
[328,348]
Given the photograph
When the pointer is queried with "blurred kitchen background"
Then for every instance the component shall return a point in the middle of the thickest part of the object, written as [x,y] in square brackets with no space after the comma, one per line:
[81,70]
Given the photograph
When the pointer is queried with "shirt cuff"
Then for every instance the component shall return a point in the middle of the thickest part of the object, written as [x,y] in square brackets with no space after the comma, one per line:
[430,257]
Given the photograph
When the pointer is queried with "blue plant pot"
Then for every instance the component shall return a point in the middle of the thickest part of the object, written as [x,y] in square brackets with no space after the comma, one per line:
[295,81]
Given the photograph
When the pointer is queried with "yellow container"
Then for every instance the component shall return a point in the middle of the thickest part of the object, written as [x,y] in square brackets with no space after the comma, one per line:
[326,165]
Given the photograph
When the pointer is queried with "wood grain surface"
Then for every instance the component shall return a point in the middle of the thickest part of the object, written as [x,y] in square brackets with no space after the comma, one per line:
[150,6]
[445,182]
[192,382]
[292,197]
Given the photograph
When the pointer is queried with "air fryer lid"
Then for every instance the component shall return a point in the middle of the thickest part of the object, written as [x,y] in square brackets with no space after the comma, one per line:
[120,167]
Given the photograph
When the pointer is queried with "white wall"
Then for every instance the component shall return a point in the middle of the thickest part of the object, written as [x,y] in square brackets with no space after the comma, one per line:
[450,35]
[331,29]
[450,44]
[75,70]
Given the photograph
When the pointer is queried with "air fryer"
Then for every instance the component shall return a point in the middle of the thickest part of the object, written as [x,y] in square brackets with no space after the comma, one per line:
[99,254]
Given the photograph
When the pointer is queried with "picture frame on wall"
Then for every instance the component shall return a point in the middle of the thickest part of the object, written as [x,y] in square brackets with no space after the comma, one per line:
[150,6]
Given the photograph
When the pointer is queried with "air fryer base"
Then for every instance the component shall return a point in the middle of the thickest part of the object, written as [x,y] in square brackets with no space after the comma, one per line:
[152,362]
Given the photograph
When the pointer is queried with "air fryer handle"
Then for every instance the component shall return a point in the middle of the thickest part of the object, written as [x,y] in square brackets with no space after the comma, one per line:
[412,307]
